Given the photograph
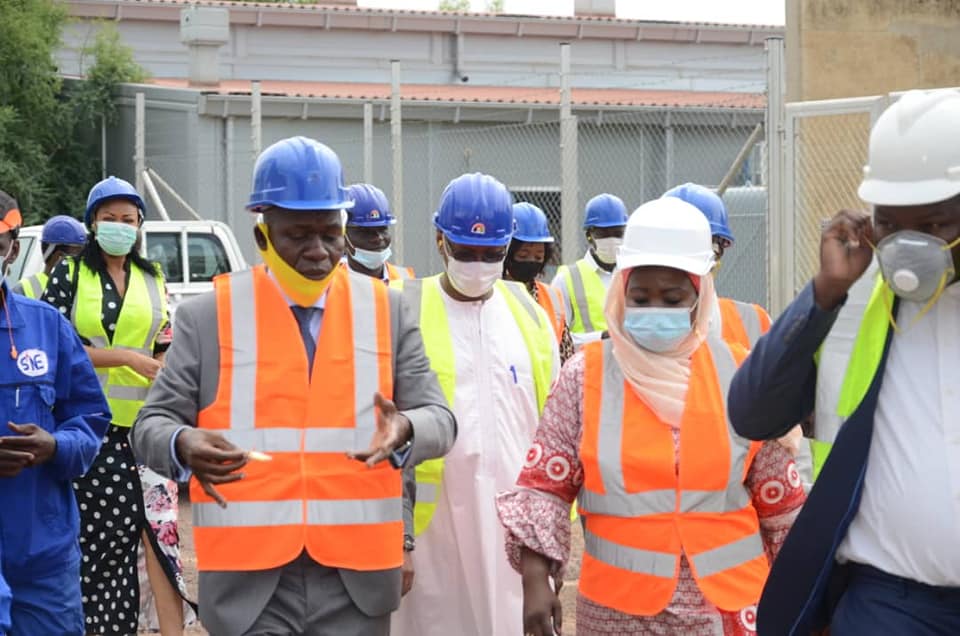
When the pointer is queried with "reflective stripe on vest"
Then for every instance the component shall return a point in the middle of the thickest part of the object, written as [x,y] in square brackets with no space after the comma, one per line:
[848,359]
[334,512]
[664,564]
[587,295]
[742,323]
[425,298]
[641,513]
[142,314]
[615,500]
[399,273]
[310,496]
[552,302]
[33,286]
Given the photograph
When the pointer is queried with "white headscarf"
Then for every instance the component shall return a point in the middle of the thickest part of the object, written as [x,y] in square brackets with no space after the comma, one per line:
[659,379]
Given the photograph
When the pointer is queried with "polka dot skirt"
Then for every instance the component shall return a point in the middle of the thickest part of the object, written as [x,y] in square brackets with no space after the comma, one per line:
[111,517]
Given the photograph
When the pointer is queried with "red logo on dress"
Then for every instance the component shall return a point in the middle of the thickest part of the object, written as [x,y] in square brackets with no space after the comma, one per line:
[478,228]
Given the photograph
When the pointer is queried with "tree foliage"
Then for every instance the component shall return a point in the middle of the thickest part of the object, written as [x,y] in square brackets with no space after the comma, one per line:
[49,130]
[454,5]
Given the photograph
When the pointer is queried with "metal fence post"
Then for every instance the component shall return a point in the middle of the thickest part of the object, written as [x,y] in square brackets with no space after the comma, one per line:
[139,141]
[103,146]
[256,120]
[779,245]
[569,169]
[228,176]
[368,142]
[669,160]
[396,143]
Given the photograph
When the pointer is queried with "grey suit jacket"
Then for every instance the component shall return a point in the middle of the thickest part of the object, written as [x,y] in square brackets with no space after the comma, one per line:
[231,601]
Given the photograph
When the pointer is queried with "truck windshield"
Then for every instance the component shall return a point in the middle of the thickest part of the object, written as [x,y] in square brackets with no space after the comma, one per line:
[16,268]
[206,256]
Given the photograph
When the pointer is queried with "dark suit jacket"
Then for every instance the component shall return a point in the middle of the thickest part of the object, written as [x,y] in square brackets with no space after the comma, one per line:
[773,389]
[231,601]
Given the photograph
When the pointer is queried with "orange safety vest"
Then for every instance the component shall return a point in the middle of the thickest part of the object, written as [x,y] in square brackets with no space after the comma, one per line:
[399,273]
[743,323]
[310,496]
[644,506]
[552,302]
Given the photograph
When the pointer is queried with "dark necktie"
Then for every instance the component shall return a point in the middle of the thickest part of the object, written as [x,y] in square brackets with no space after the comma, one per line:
[303,316]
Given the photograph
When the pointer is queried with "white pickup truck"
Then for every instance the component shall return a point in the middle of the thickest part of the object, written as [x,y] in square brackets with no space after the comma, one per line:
[191,253]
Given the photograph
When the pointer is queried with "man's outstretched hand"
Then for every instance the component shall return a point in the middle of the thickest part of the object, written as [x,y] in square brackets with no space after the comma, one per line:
[393,431]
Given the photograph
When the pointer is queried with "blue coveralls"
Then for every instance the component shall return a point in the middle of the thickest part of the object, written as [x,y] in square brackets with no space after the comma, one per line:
[5,599]
[49,382]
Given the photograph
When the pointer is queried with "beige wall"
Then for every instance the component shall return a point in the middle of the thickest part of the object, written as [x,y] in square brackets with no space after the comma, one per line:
[848,48]
[853,48]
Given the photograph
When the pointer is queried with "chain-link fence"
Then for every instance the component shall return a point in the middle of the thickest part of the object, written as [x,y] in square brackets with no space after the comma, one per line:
[639,155]
[636,153]
[825,149]
[826,158]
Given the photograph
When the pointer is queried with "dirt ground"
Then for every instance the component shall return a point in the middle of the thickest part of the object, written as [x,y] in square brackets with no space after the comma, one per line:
[568,594]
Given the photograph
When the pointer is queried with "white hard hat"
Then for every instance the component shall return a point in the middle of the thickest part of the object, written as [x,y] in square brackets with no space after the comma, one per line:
[914,156]
[668,232]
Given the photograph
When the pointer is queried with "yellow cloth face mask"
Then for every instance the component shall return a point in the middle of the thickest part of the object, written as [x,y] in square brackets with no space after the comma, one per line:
[304,291]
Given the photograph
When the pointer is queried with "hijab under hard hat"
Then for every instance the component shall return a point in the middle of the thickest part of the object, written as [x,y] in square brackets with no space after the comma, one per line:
[669,233]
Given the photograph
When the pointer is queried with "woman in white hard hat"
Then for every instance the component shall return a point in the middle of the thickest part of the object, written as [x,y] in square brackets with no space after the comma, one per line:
[681,516]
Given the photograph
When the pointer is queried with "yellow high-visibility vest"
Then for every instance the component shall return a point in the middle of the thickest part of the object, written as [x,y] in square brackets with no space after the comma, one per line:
[143,313]
[425,296]
[33,286]
[587,294]
[863,364]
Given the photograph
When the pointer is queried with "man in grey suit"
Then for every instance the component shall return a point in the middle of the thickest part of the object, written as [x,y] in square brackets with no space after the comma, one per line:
[298,189]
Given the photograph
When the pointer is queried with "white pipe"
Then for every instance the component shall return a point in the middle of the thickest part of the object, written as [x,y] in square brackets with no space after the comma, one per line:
[176,195]
[152,193]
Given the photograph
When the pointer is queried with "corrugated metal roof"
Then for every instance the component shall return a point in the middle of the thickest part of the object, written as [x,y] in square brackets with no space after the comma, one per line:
[427,13]
[456,94]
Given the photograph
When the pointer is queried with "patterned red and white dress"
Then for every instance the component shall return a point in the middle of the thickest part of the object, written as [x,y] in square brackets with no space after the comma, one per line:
[537,516]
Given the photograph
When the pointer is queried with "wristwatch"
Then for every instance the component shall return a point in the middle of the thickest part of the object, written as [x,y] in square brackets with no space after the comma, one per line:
[399,456]
[408,543]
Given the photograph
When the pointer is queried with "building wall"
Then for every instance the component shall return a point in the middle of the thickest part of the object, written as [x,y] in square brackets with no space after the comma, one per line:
[354,55]
[847,48]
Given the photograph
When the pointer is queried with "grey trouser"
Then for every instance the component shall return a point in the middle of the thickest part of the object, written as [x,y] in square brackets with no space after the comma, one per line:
[310,600]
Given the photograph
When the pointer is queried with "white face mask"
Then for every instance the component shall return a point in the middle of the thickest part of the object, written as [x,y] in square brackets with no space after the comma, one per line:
[473,279]
[606,248]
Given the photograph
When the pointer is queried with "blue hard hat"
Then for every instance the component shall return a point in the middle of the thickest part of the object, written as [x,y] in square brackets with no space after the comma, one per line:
[476,209]
[530,224]
[370,206]
[298,173]
[709,203]
[111,188]
[605,210]
[63,230]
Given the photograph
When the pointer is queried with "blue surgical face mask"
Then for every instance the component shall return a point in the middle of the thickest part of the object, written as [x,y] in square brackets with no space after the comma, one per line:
[657,329]
[371,259]
[116,239]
